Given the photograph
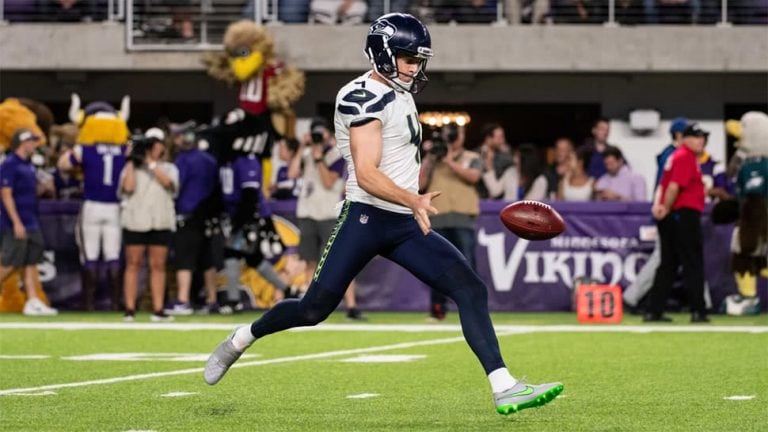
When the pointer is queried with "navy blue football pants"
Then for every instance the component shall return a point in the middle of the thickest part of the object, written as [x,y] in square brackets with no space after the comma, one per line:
[361,233]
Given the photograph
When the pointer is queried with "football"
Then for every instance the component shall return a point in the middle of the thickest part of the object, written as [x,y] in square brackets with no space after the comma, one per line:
[532,220]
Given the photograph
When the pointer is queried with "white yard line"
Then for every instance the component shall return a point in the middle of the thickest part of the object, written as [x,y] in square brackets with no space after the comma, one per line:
[413,328]
[238,365]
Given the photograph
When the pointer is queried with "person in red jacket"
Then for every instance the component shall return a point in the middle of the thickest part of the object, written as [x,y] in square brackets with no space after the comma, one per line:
[677,208]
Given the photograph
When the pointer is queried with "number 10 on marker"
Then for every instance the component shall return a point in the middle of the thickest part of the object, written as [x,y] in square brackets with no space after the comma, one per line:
[598,304]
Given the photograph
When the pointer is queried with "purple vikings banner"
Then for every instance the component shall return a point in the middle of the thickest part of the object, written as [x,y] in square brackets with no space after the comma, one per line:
[607,242]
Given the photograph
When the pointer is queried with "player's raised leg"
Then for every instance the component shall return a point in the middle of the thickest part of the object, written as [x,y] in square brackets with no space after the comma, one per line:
[440,265]
[350,247]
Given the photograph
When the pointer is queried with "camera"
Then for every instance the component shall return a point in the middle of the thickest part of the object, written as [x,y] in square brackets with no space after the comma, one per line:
[317,137]
[443,137]
[439,148]
[317,130]
[140,145]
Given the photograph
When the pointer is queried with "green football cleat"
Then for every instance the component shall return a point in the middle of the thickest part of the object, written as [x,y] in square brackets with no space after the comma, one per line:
[522,396]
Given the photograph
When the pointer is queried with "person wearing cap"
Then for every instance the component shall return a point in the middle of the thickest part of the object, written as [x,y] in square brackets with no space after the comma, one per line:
[642,284]
[147,187]
[677,207]
[321,168]
[21,240]
[198,243]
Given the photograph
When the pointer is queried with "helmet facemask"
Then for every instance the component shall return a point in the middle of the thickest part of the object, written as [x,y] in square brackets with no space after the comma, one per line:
[390,72]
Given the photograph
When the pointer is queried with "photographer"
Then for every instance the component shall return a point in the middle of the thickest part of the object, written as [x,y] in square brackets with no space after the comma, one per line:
[449,168]
[321,168]
[147,188]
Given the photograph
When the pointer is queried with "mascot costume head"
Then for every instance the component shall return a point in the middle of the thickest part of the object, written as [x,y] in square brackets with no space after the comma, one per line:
[749,244]
[99,122]
[268,88]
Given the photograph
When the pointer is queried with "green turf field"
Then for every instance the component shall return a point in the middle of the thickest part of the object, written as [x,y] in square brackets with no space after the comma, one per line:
[617,378]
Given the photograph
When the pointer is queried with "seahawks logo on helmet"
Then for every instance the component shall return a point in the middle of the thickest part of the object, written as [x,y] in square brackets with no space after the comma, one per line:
[383,28]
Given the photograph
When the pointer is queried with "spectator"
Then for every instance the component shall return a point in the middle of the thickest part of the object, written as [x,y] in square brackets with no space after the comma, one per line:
[576,185]
[527,11]
[564,151]
[376,8]
[46,189]
[496,157]
[619,183]
[716,182]
[506,187]
[533,182]
[197,246]
[290,11]
[597,144]
[148,186]
[67,185]
[579,11]
[464,11]
[21,239]
[321,168]
[337,11]
[455,174]
[677,207]
[68,10]
[283,187]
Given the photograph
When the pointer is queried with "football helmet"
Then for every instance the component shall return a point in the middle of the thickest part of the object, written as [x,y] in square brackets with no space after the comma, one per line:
[399,33]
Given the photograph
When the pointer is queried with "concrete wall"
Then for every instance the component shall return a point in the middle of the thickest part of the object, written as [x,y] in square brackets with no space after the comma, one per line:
[101,46]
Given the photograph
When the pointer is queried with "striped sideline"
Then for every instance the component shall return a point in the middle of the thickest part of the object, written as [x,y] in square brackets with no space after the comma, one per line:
[413,328]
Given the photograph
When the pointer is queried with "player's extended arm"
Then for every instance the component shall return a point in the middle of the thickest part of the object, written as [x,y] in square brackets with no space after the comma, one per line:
[366,145]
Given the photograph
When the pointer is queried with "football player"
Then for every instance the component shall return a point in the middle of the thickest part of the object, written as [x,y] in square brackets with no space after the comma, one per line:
[378,133]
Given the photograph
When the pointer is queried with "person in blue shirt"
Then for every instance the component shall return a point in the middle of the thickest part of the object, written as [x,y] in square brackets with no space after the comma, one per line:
[198,241]
[21,240]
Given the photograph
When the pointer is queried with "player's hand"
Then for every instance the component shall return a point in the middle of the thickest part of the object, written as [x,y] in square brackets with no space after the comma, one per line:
[19,231]
[659,211]
[422,208]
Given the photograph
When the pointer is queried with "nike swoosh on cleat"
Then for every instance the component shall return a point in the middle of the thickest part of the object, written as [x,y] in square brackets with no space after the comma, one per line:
[528,390]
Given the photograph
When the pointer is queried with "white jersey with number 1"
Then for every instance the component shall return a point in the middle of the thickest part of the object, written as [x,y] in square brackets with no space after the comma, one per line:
[362,100]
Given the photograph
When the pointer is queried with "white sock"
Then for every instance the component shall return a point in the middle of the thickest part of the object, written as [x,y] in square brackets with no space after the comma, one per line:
[501,380]
[243,338]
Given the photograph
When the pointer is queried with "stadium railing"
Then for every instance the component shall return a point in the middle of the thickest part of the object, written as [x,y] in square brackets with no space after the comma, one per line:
[181,25]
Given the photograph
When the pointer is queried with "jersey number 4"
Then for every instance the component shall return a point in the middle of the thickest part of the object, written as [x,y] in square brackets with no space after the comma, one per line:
[415,128]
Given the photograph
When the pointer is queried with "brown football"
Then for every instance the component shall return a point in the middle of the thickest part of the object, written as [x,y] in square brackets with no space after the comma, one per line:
[532,220]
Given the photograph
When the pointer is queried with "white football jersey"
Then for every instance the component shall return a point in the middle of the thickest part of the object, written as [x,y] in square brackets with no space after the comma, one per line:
[363,99]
